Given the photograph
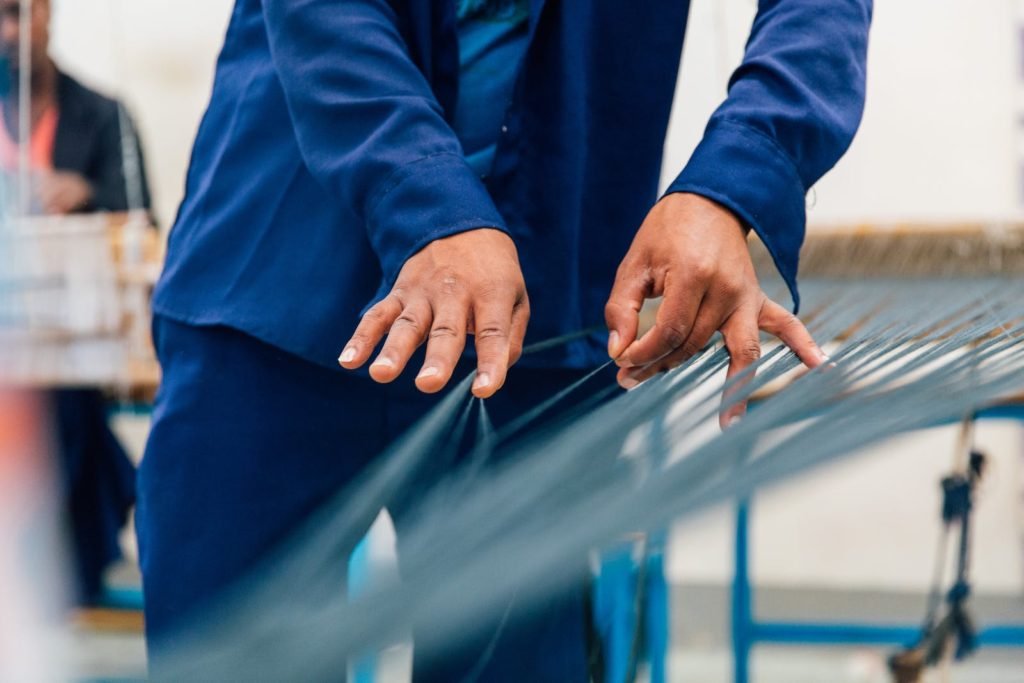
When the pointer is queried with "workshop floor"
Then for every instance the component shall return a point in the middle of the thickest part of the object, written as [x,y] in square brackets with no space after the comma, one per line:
[120,658]
[700,633]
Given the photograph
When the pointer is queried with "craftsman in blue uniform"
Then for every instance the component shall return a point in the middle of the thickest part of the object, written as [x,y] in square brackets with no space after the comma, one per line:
[407,172]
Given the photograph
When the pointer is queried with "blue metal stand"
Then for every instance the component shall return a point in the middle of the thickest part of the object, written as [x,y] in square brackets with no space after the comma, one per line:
[615,602]
[747,631]
[742,600]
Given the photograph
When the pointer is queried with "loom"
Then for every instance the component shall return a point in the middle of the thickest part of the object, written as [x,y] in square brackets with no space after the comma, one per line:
[74,289]
[74,301]
[908,353]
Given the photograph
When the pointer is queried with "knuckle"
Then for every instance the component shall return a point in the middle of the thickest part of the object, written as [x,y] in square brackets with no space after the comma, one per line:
[492,290]
[443,331]
[359,338]
[672,334]
[690,349]
[409,321]
[731,288]
[791,323]
[450,284]
[703,270]
[491,333]
[524,309]
[612,309]
[376,313]
[748,350]
[449,278]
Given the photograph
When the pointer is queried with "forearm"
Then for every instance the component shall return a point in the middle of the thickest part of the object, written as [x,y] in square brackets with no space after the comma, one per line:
[370,128]
[792,110]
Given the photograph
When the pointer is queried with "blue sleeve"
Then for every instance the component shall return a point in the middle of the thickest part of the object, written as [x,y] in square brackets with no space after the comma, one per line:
[369,127]
[793,107]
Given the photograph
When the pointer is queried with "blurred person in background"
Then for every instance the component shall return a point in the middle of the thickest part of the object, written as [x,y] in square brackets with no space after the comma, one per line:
[76,163]
[76,151]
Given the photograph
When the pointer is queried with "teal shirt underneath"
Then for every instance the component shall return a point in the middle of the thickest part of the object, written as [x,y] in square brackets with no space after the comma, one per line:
[492,40]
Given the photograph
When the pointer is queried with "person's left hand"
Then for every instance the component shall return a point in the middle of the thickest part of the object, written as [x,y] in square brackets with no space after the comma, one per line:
[694,252]
[62,192]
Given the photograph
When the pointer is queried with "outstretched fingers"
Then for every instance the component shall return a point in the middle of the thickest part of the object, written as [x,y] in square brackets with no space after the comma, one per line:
[776,320]
[374,324]
[408,331]
[445,343]
[492,332]
[742,341]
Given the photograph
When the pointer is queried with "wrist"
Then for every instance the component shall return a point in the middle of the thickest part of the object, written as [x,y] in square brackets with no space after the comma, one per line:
[699,207]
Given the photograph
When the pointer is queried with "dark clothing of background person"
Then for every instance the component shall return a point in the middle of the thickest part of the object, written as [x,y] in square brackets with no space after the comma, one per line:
[88,142]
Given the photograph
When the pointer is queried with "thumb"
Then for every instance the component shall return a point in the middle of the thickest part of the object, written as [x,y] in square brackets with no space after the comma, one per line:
[622,313]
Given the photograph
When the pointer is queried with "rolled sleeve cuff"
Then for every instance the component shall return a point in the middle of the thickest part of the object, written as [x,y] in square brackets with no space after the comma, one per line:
[431,198]
[748,173]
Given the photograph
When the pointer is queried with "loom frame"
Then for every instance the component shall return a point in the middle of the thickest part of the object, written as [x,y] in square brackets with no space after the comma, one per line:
[747,631]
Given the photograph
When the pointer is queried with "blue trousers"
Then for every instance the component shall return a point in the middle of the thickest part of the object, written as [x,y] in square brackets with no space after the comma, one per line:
[247,441]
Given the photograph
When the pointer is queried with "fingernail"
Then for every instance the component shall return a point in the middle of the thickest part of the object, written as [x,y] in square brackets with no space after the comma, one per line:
[383,362]
[482,380]
[628,383]
[428,372]
[733,421]
[347,355]
[613,344]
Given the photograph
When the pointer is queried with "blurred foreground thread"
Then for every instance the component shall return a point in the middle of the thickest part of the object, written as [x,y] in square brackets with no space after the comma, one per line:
[908,354]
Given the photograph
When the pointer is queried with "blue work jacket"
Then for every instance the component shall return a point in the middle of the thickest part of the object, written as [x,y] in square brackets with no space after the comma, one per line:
[326,157]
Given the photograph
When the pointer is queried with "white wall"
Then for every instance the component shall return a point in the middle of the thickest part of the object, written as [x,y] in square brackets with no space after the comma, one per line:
[938,136]
[937,143]
[938,140]
[157,56]
[870,521]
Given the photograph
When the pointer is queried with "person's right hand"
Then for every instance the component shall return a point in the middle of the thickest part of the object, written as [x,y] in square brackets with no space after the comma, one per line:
[466,283]
[63,192]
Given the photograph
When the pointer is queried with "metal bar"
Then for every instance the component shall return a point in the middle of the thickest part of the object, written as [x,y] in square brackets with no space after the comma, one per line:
[1006,411]
[1002,635]
[818,633]
[657,611]
[743,626]
[746,631]
[24,107]
[828,633]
